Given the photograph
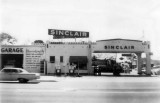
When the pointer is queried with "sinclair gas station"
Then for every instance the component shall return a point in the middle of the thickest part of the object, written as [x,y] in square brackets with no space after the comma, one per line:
[51,56]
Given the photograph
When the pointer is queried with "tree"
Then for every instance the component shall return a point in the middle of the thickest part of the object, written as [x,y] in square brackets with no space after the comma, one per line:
[7,39]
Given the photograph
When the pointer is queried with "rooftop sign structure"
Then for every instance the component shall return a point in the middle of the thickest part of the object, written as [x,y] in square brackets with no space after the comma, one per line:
[61,34]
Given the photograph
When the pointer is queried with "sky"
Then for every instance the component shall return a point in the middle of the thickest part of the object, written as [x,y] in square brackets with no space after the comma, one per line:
[29,20]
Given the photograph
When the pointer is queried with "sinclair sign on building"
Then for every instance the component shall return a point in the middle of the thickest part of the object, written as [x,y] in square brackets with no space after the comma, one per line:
[59,34]
[120,46]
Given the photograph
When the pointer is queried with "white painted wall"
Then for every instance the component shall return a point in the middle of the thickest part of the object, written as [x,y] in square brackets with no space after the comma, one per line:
[66,50]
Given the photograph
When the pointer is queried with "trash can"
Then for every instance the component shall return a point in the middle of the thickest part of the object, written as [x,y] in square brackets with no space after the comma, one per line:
[97,70]
[58,72]
[71,72]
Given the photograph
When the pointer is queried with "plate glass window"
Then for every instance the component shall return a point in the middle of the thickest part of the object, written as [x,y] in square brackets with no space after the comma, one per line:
[61,59]
[52,59]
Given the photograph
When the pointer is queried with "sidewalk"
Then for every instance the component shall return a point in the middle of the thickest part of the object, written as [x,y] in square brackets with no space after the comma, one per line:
[53,78]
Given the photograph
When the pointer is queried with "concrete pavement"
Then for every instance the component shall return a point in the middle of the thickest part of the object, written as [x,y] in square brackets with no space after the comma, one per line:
[133,73]
[85,89]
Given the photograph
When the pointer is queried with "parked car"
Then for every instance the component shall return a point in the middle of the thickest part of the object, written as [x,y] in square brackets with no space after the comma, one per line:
[17,74]
[156,70]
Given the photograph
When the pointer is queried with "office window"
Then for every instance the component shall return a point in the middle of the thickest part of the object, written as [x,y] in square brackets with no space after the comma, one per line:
[61,59]
[52,59]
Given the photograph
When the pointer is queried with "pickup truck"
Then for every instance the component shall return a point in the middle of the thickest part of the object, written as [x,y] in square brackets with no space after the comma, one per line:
[17,74]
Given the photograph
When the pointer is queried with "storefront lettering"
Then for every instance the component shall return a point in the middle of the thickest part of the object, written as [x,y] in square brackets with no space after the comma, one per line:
[12,50]
[119,47]
[34,51]
[33,58]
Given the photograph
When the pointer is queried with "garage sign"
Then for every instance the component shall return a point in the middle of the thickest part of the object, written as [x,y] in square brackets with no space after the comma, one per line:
[12,50]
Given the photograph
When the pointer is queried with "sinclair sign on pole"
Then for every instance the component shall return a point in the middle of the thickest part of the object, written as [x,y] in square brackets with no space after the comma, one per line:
[59,34]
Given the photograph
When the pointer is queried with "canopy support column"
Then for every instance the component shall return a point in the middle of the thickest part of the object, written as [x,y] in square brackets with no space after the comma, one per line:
[139,63]
[148,64]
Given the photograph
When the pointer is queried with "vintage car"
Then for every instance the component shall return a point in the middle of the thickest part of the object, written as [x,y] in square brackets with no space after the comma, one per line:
[155,70]
[17,74]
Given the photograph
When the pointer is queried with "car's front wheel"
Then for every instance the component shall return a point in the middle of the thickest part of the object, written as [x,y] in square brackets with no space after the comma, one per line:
[22,80]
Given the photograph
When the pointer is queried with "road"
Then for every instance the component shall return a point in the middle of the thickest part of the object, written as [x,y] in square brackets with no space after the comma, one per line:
[86,89]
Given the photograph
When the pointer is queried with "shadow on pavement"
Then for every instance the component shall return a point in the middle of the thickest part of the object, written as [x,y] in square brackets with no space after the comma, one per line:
[46,81]
[127,76]
[29,82]
[11,82]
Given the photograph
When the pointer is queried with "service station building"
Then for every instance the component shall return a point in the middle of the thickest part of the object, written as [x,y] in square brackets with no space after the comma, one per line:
[46,58]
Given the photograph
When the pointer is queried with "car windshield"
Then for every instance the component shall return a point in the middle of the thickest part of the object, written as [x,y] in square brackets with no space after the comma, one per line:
[7,70]
[10,70]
